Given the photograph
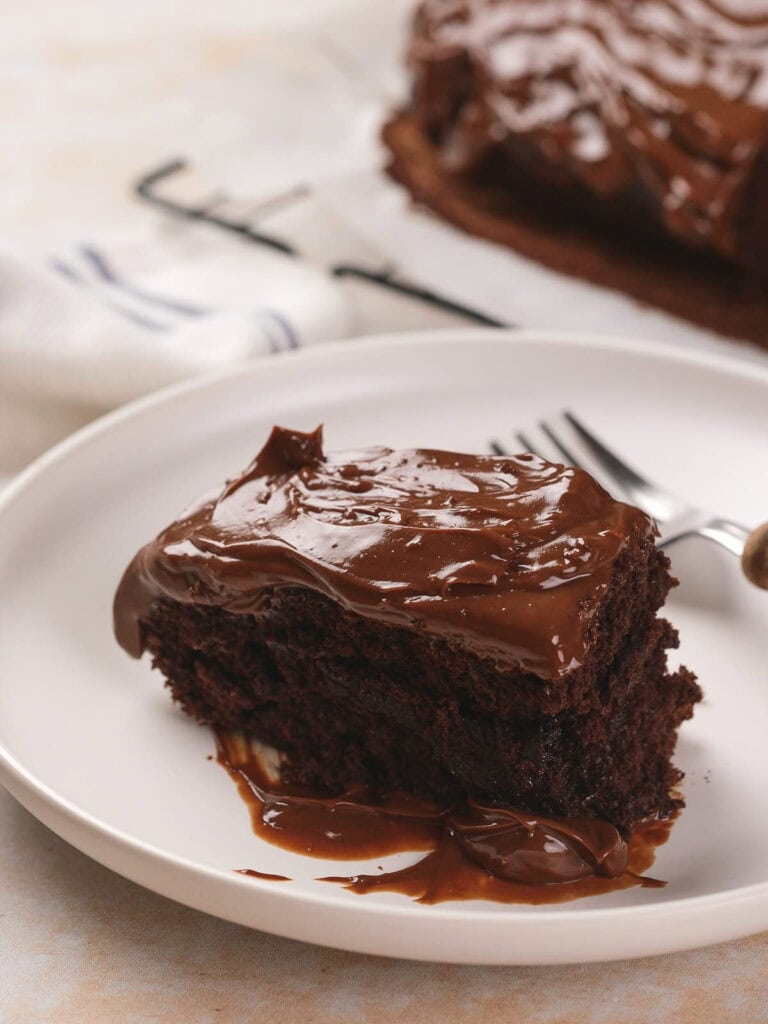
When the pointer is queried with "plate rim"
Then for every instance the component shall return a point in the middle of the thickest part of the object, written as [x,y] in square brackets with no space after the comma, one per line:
[27,788]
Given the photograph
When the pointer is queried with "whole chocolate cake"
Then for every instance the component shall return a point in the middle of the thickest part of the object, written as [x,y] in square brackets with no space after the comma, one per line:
[455,626]
[625,141]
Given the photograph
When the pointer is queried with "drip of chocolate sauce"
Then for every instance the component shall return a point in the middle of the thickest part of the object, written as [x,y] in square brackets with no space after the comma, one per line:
[267,876]
[473,852]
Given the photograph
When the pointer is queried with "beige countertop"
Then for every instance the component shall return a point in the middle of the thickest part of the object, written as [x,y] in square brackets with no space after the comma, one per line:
[93,94]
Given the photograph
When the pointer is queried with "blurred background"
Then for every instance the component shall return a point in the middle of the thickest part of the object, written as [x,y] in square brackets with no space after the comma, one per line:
[259,94]
[258,114]
[273,108]
[252,113]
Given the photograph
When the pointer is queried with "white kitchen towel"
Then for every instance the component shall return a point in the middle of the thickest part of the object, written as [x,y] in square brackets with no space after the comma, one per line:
[144,301]
[104,324]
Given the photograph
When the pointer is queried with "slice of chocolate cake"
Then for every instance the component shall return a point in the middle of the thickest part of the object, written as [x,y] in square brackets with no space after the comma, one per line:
[606,138]
[450,625]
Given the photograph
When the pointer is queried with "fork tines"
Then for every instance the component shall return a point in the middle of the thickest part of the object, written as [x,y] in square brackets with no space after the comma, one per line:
[552,440]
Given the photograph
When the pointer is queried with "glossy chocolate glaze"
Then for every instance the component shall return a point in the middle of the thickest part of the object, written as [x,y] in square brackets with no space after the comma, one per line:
[509,556]
[472,852]
[659,105]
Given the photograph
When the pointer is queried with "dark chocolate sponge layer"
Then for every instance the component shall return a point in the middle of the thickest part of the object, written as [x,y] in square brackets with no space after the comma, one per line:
[350,699]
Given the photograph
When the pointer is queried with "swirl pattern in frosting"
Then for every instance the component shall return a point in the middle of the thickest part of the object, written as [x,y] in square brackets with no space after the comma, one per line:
[657,108]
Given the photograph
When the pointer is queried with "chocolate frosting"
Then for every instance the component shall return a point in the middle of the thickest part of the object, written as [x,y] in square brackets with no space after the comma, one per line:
[536,850]
[510,556]
[661,104]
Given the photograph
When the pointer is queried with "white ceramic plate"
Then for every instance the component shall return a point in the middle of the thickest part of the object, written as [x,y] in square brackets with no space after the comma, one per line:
[91,744]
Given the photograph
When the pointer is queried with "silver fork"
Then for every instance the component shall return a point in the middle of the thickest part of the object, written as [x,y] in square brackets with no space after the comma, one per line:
[675,518]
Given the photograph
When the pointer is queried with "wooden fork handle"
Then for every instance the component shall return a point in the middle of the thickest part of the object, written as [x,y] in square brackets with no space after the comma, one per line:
[754,560]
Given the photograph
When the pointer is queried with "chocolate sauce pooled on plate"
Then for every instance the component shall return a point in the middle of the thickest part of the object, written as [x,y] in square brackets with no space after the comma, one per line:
[509,555]
[475,852]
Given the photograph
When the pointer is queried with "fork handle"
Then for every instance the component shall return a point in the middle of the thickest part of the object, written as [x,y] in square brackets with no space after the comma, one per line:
[751,547]
[754,557]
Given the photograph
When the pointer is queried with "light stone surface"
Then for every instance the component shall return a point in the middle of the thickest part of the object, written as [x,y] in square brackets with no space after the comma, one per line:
[93,93]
